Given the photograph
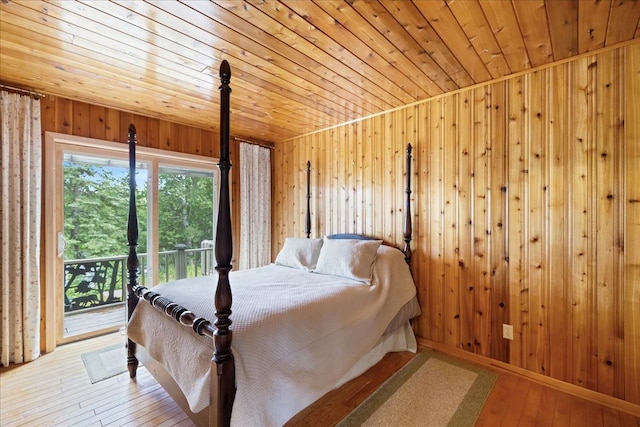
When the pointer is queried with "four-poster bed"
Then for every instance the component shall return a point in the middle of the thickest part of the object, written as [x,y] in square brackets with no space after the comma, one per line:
[323,313]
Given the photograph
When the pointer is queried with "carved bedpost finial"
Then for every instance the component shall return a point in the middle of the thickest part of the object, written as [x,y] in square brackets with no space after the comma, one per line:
[225,72]
[408,229]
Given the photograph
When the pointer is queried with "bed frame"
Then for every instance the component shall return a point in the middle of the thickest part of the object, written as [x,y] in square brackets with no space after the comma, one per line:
[223,387]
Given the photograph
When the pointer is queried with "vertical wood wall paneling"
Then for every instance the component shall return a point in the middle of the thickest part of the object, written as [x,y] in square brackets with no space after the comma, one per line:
[363,164]
[285,194]
[64,116]
[296,193]
[512,199]
[515,190]
[404,120]
[578,165]
[352,179]
[324,173]
[165,141]
[537,239]
[193,140]
[291,190]
[378,174]
[81,119]
[112,125]
[618,239]
[498,120]
[592,209]
[451,224]
[142,128]
[178,136]
[387,160]
[631,273]
[481,225]
[466,280]
[277,224]
[348,207]
[606,113]
[341,171]
[97,128]
[335,197]
[422,225]
[333,158]
[313,176]
[357,169]
[436,270]
[559,304]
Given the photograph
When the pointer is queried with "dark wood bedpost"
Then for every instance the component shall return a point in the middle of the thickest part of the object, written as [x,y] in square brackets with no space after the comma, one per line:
[223,357]
[307,224]
[132,259]
[408,229]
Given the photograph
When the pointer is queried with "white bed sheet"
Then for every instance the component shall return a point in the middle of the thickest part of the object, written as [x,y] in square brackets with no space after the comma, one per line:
[296,335]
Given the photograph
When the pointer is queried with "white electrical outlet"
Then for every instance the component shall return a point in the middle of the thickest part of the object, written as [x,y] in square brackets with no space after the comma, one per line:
[507,331]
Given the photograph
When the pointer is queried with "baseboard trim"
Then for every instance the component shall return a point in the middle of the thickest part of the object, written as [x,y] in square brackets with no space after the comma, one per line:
[581,392]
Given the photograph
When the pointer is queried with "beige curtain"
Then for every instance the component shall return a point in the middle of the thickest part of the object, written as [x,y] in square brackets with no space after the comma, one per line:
[20,206]
[255,206]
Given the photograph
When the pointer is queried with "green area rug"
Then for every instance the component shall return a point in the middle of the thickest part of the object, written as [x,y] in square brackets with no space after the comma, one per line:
[105,363]
[431,390]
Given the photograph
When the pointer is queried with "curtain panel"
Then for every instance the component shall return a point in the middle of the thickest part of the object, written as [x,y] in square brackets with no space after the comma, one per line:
[20,207]
[255,206]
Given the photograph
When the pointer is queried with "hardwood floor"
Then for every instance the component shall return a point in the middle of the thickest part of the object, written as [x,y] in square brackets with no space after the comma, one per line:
[517,401]
[55,390]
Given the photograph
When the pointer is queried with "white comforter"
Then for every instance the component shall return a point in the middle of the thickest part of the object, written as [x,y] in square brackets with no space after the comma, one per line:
[295,333]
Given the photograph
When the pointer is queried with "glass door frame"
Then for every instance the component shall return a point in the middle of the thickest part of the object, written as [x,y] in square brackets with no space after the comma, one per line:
[56,144]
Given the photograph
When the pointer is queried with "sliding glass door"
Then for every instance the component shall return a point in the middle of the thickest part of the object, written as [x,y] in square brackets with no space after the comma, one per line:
[87,207]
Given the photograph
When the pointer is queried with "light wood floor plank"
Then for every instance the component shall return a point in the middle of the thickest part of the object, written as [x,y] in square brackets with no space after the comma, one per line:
[55,390]
[529,413]
[517,403]
[546,409]
[496,406]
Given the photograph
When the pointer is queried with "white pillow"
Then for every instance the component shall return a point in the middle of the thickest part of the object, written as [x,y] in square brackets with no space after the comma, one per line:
[350,258]
[298,252]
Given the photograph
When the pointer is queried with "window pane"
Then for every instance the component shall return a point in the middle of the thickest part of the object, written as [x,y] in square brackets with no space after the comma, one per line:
[96,206]
[185,222]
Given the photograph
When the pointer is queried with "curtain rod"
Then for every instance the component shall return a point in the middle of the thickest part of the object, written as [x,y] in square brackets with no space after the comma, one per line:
[259,144]
[23,91]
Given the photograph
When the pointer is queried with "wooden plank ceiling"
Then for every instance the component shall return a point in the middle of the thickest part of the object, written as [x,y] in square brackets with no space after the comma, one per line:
[298,66]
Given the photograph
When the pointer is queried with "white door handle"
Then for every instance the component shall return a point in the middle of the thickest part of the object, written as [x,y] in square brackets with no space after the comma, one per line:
[62,243]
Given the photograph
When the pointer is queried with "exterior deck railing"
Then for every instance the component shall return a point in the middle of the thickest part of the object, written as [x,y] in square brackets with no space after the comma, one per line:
[94,282]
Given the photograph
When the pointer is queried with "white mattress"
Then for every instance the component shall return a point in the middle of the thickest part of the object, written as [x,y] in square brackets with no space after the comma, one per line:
[296,335]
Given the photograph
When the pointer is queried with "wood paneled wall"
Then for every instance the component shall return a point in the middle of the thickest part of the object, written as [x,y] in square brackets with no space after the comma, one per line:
[526,202]
[80,119]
